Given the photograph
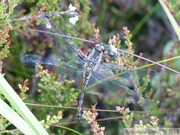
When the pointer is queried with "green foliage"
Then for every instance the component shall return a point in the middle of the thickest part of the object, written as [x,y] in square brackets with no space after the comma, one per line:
[51,120]
[53,92]
[127,117]
[5,12]
[4,124]
[16,40]
[91,116]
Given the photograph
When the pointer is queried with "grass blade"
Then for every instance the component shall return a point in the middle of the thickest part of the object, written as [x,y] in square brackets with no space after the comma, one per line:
[15,119]
[20,107]
[171,18]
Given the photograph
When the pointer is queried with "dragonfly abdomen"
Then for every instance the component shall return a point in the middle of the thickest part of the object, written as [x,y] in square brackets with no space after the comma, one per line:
[80,106]
[90,66]
[86,77]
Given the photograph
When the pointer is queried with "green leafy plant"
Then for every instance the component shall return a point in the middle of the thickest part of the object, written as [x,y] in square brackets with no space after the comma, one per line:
[54,97]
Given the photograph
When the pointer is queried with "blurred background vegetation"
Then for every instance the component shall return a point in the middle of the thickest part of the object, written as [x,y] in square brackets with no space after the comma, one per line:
[152,34]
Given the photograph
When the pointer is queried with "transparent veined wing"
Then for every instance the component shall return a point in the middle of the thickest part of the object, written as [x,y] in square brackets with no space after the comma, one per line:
[109,86]
[32,60]
[123,88]
[61,45]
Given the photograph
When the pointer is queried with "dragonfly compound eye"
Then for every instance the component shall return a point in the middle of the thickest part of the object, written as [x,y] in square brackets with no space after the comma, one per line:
[102,47]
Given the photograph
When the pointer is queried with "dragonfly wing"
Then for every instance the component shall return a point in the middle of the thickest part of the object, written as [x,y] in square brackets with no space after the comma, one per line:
[117,89]
[32,60]
[62,45]
[140,77]
[128,76]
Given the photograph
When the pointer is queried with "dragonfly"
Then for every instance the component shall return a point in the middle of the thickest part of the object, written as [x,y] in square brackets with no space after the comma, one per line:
[94,70]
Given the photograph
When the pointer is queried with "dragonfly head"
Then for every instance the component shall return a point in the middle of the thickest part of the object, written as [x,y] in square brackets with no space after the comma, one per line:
[100,46]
